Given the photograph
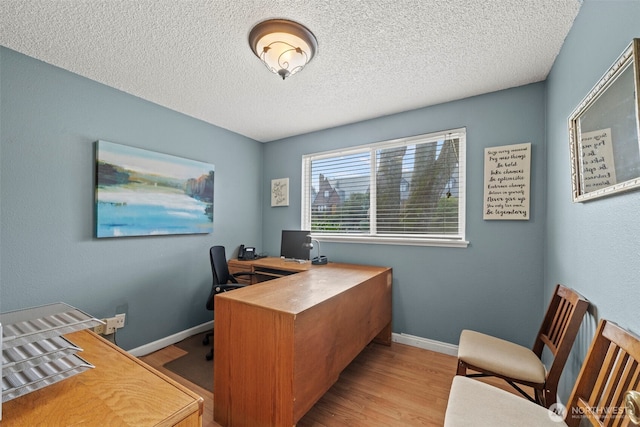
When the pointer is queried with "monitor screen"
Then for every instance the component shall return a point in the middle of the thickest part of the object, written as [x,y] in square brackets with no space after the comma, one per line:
[293,244]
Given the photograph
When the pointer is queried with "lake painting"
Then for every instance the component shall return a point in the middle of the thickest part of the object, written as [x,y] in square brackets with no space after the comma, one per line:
[144,193]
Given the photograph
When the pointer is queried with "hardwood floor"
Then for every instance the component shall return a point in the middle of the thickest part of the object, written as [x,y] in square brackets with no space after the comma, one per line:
[167,354]
[388,386]
[384,386]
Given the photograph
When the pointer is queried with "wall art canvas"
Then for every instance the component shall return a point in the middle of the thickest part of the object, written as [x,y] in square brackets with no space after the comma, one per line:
[145,193]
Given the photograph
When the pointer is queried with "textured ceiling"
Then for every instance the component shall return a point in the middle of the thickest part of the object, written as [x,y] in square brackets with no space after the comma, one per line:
[375,57]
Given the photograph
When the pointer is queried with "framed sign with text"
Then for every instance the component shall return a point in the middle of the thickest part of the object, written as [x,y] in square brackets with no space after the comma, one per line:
[507,178]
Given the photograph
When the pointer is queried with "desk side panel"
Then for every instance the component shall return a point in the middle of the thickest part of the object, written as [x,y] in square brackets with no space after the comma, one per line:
[331,334]
[253,365]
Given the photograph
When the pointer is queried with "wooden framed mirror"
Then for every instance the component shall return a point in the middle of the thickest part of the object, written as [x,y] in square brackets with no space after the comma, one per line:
[603,132]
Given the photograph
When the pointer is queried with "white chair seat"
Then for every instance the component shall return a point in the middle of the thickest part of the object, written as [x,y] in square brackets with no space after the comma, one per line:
[501,357]
[474,403]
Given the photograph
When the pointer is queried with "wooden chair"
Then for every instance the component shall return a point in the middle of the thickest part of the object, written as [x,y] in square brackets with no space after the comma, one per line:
[518,365]
[603,394]
[611,369]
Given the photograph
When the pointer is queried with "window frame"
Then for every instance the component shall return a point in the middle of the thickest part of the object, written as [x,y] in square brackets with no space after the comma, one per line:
[459,240]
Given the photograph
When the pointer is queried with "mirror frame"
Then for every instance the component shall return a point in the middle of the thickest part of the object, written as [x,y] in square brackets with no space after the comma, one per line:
[606,91]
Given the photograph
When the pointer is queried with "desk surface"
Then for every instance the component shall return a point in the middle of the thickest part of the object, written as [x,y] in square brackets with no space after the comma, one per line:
[299,292]
[120,391]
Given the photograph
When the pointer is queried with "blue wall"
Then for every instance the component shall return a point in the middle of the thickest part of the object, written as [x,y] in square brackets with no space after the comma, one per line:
[51,118]
[593,246]
[494,285]
[50,121]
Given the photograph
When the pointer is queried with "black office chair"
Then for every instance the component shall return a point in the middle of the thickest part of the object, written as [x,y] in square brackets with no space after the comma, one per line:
[223,281]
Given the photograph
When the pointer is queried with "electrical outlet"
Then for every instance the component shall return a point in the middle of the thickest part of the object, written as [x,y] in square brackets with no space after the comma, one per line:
[100,328]
[110,325]
[120,320]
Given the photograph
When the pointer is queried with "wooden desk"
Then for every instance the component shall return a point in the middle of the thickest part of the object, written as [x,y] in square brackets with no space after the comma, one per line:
[266,269]
[120,391]
[280,345]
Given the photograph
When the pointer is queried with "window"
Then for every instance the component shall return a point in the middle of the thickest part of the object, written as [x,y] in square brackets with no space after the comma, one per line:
[406,191]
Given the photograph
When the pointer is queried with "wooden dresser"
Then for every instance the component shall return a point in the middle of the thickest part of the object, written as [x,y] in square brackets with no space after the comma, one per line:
[120,391]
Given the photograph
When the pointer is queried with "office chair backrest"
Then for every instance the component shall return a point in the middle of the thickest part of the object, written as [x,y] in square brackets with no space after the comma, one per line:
[610,369]
[219,267]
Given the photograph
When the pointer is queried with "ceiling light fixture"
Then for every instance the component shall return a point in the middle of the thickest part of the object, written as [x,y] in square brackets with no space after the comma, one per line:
[285,47]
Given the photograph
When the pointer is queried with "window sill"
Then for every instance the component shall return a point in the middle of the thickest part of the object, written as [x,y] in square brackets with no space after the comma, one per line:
[401,241]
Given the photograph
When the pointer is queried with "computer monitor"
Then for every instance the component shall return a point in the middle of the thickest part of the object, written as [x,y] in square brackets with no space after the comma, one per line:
[293,243]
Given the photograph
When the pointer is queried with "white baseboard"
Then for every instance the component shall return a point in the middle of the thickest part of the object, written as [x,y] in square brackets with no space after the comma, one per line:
[424,343]
[171,339]
[412,340]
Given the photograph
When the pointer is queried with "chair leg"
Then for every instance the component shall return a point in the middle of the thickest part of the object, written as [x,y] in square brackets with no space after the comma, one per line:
[537,398]
[534,399]
[206,341]
[462,368]
[548,396]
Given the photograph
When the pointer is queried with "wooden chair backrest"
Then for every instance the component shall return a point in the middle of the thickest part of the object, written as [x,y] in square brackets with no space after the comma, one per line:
[559,329]
[610,369]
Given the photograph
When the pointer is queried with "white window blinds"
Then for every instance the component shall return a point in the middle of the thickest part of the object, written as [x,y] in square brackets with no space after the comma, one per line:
[402,191]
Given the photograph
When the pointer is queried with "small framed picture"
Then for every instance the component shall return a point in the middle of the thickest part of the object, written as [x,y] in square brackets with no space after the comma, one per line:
[280,192]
